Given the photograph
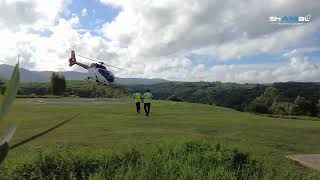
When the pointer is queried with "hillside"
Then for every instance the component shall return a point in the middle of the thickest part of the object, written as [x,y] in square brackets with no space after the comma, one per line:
[231,95]
[44,76]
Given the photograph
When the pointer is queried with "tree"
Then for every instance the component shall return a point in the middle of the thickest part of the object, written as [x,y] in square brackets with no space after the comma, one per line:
[301,106]
[174,98]
[58,84]
[263,103]
[3,89]
[271,95]
[282,108]
[2,86]
[318,107]
[258,105]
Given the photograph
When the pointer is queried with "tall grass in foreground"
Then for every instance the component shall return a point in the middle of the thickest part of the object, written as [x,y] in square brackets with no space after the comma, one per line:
[5,103]
[181,159]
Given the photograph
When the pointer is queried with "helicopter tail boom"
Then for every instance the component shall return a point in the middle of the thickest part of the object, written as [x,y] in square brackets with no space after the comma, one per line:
[73,61]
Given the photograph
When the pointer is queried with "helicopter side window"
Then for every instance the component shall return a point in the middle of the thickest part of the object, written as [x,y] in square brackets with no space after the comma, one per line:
[107,74]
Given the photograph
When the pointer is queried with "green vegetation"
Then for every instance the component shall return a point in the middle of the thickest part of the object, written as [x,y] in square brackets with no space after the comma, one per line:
[184,159]
[243,97]
[58,84]
[106,133]
[73,88]
[266,102]
[11,90]
[273,102]
[6,101]
[276,98]
[232,95]
[2,89]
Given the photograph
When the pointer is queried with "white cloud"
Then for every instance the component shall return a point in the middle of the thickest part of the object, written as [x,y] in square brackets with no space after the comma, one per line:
[34,14]
[84,12]
[153,39]
[157,31]
[296,69]
[162,28]
[40,52]
[301,51]
[268,44]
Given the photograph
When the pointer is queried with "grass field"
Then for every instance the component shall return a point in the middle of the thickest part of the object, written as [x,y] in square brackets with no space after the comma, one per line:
[114,127]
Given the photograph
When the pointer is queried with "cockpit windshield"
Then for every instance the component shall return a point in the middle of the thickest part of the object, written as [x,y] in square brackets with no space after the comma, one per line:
[107,74]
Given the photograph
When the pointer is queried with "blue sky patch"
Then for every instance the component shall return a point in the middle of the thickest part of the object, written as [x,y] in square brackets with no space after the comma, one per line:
[97,13]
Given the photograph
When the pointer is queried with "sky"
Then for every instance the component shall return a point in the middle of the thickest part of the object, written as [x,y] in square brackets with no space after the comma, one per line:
[184,40]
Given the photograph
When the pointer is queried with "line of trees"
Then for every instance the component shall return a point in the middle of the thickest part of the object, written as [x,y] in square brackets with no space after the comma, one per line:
[60,87]
[286,98]
[231,95]
[272,101]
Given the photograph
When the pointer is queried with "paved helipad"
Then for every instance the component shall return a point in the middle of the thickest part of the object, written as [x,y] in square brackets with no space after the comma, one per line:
[311,161]
[80,101]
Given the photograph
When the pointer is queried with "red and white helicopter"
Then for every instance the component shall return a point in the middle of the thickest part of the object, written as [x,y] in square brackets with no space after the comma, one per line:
[98,72]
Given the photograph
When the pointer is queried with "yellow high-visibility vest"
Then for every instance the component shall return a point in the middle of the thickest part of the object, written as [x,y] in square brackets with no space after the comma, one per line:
[147,97]
[137,97]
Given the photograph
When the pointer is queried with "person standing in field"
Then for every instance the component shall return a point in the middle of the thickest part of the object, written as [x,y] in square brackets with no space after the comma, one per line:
[137,99]
[147,98]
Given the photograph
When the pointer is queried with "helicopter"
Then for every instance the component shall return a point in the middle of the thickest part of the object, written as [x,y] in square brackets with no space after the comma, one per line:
[98,72]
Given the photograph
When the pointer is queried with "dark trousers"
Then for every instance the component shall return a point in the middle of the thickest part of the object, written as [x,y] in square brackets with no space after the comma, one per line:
[138,107]
[147,108]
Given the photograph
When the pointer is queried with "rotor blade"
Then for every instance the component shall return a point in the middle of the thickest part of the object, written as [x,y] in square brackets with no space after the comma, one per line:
[115,67]
[97,61]
[87,58]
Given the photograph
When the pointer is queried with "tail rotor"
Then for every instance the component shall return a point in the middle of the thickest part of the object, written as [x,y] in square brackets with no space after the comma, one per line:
[72,60]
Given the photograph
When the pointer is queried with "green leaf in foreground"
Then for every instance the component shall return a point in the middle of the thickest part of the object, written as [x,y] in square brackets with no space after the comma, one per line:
[11,91]
[4,146]
[5,103]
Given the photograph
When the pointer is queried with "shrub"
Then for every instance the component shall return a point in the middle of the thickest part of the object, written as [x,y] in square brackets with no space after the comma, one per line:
[282,108]
[301,106]
[174,98]
[3,89]
[58,84]
[258,105]
[263,103]
[186,159]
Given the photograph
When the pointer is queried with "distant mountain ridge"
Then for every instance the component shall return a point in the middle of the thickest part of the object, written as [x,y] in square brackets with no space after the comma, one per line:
[44,76]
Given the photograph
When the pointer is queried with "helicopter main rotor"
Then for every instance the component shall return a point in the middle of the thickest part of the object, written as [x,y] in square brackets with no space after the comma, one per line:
[100,62]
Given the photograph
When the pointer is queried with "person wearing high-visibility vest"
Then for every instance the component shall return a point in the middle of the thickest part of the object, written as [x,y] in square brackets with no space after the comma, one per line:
[147,98]
[137,99]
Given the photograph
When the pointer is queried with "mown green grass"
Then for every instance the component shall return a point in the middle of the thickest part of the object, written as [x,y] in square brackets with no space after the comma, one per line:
[118,127]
